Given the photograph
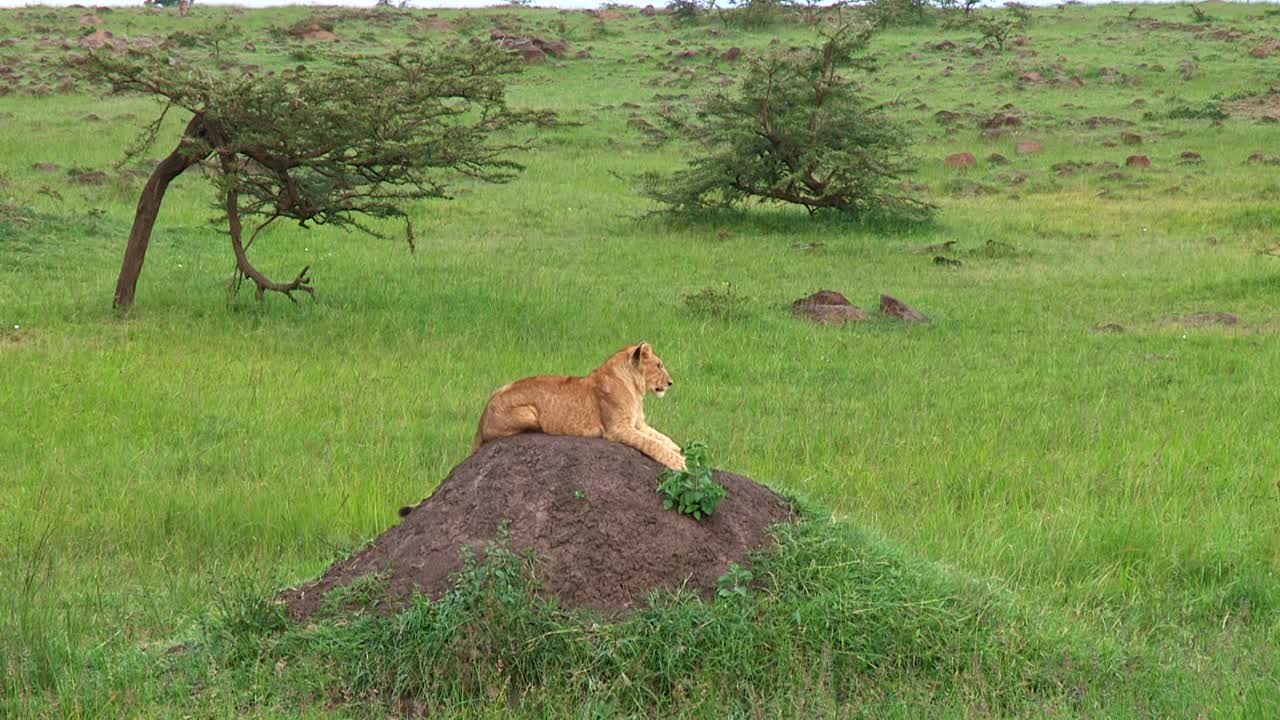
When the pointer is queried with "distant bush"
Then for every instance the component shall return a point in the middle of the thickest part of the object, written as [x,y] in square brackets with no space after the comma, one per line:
[898,13]
[795,131]
[685,11]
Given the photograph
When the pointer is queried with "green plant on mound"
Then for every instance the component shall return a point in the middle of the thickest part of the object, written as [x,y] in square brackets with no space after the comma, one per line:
[836,620]
[692,491]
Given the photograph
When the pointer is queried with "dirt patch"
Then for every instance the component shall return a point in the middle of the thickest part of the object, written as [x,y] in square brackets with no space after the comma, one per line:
[1258,107]
[588,508]
[1205,319]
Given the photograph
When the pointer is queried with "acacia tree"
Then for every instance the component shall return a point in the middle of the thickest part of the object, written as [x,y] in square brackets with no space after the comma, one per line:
[320,147]
[795,131]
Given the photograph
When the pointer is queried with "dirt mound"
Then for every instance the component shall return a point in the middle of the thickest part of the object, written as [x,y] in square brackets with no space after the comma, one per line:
[588,508]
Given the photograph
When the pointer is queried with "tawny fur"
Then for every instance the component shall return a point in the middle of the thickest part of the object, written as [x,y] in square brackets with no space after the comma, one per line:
[608,403]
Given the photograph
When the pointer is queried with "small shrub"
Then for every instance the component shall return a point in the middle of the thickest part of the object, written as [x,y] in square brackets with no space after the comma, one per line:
[692,491]
[733,584]
[995,30]
[721,303]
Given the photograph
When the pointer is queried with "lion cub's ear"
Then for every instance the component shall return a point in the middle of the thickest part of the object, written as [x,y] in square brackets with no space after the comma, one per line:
[639,352]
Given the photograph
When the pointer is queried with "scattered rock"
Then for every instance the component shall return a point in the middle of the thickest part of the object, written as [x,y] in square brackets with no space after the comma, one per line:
[894,307]
[946,261]
[1266,49]
[532,49]
[1098,121]
[250,47]
[1263,159]
[92,177]
[1191,157]
[961,160]
[1138,161]
[46,167]
[90,19]
[997,159]
[827,307]
[1001,120]
[946,117]
[98,39]
[586,507]
[1029,147]
[1131,138]
[731,54]
[314,32]
[1108,328]
[1031,77]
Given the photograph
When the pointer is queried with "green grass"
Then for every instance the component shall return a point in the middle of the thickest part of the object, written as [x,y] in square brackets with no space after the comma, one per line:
[1119,489]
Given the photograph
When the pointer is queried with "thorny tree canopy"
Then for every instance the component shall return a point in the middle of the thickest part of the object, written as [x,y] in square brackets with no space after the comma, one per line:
[326,146]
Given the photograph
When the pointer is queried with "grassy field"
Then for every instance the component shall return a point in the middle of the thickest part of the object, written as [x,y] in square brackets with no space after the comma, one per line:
[1121,486]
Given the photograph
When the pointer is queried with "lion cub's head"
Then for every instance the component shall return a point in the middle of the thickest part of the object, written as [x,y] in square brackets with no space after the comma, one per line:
[647,363]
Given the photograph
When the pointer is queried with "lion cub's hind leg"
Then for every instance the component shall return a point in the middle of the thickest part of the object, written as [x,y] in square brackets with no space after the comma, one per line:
[501,422]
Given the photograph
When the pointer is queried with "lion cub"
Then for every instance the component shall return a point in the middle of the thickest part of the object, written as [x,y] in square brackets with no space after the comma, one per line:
[608,403]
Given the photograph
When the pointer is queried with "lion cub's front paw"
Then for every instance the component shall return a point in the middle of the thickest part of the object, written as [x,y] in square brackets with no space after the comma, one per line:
[677,463]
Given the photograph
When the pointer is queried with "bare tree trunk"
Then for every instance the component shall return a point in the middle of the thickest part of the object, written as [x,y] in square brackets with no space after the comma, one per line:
[144,219]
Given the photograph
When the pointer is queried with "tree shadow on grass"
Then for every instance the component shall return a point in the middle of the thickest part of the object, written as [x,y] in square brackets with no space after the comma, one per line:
[789,221]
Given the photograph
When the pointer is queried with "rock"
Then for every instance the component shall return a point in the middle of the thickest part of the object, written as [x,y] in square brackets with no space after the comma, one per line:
[1031,77]
[92,177]
[90,19]
[1264,51]
[250,47]
[960,160]
[98,39]
[1138,161]
[1190,157]
[894,307]
[554,48]
[1131,138]
[944,261]
[997,159]
[1001,120]
[1029,147]
[731,54]
[1108,328]
[319,35]
[827,307]
[944,45]
[46,167]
